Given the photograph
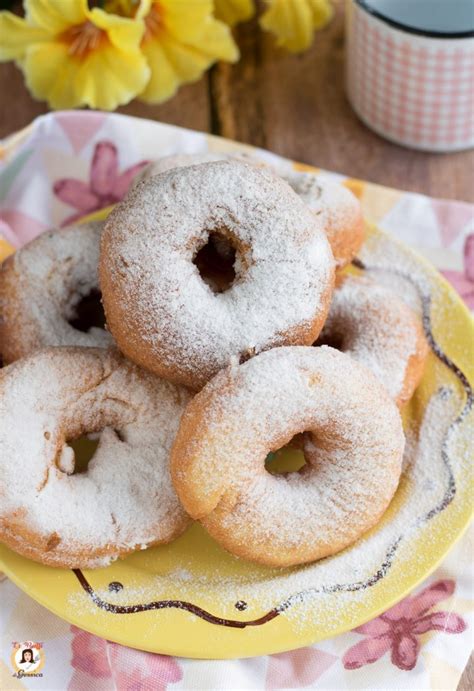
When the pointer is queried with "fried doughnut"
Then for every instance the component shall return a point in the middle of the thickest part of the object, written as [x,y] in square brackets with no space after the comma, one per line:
[370,323]
[125,500]
[339,208]
[353,456]
[217,257]
[343,221]
[162,313]
[41,288]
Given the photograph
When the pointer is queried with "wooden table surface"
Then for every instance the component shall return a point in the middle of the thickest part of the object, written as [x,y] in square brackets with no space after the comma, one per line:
[293,105]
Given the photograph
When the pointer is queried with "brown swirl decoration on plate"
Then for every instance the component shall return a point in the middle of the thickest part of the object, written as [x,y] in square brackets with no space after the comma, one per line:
[381,572]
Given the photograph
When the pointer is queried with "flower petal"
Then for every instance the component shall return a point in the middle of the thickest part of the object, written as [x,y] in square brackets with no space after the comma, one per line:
[321,11]
[187,62]
[184,19]
[365,652]
[291,22]
[142,10]
[50,74]
[163,81]
[192,23]
[449,622]
[75,193]
[56,15]
[110,77]
[215,40]
[173,63]
[17,35]
[430,596]
[405,651]
[123,33]
[123,181]
[401,610]
[188,40]
[104,168]
[233,11]
[376,627]
[106,77]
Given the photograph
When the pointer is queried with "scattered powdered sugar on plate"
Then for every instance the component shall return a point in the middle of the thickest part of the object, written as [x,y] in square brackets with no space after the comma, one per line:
[343,577]
[436,461]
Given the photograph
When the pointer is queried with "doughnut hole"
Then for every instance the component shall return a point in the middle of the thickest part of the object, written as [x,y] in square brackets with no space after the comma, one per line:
[290,458]
[284,461]
[215,262]
[88,312]
[353,445]
[90,424]
[84,507]
[99,422]
[83,450]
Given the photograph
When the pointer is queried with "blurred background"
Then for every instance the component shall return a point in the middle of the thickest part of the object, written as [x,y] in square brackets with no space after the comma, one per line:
[293,104]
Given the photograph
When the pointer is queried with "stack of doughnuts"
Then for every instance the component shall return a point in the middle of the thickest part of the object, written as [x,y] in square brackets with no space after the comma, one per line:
[231,326]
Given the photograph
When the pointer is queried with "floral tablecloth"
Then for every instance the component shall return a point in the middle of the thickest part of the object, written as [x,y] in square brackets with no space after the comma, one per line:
[67,165]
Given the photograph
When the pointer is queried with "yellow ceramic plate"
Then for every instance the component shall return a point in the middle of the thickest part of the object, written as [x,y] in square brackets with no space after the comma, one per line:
[193,599]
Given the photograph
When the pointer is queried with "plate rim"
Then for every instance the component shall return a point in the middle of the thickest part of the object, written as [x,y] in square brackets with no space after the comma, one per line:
[298,640]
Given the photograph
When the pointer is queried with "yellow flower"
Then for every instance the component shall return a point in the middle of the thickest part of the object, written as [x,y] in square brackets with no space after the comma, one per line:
[294,21]
[233,11]
[72,55]
[181,40]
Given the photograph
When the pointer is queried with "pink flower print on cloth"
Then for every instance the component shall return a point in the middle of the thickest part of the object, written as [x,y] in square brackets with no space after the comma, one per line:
[89,656]
[106,185]
[100,664]
[398,629]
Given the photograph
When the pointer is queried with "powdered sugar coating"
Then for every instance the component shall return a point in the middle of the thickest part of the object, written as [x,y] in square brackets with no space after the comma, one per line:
[337,207]
[125,501]
[160,311]
[40,286]
[162,165]
[370,323]
[353,457]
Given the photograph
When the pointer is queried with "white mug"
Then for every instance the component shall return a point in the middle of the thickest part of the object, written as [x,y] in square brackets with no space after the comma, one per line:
[410,70]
